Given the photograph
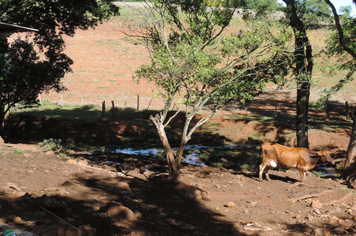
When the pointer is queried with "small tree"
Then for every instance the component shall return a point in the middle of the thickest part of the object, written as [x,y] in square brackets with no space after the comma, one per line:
[30,66]
[194,64]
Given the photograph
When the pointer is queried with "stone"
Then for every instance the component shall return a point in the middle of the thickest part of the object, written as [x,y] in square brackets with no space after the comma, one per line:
[122,212]
[310,217]
[87,230]
[17,220]
[256,227]
[1,141]
[123,186]
[72,162]
[317,232]
[205,196]
[230,204]
[273,196]
[316,211]
[316,204]
[73,232]
[135,234]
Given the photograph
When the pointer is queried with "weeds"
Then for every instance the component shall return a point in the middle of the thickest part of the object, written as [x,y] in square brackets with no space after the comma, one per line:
[19,152]
[51,145]
[62,155]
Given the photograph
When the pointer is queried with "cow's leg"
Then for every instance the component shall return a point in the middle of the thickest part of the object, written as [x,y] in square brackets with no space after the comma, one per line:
[267,174]
[262,167]
[302,174]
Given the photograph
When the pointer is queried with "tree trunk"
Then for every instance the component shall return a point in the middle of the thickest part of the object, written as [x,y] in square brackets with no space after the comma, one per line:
[303,71]
[349,173]
[302,115]
[2,120]
[173,158]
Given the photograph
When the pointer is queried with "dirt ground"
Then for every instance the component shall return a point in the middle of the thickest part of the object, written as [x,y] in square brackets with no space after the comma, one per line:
[83,194]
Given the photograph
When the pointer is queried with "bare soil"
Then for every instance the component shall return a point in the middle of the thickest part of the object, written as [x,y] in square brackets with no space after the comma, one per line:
[50,195]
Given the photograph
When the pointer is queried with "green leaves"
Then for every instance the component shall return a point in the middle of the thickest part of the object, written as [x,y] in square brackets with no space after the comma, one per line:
[32,67]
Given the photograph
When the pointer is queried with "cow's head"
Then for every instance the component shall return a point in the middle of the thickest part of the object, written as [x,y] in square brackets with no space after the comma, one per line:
[325,157]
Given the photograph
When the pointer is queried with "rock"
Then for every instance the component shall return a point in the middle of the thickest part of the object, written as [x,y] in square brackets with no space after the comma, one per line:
[1,141]
[122,212]
[316,211]
[253,203]
[205,196]
[135,234]
[137,175]
[17,220]
[73,232]
[337,209]
[273,197]
[87,230]
[72,162]
[256,227]
[230,204]
[317,232]
[334,219]
[123,186]
[316,204]
[138,214]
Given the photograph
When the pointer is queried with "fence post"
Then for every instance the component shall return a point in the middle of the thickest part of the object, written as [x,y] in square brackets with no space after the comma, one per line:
[113,109]
[347,110]
[138,102]
[103,109]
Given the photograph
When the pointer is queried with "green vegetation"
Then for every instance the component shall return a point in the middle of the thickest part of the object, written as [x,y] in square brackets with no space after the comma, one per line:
[19,152]
[30,67]
[51,145]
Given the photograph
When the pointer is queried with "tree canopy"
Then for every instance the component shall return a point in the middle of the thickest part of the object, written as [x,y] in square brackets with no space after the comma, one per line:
[36,64]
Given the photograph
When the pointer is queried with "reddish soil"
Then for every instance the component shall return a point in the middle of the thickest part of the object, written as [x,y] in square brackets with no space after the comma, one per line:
[49,195]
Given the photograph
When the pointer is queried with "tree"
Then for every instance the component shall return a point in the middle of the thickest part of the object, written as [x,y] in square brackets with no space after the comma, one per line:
[197,65]
[30,66]
[303,59]
[342,41]
[262,5]
[315,13]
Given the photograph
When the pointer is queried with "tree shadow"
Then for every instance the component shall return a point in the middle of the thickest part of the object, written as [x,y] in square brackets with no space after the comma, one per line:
[164,208]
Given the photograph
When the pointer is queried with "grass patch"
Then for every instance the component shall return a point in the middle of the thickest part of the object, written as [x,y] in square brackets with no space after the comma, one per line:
[108,42]
[19,152]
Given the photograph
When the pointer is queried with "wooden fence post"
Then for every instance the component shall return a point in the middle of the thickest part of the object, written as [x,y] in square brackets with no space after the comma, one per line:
[113,109]
[138,102]
[347,110]
[103,109]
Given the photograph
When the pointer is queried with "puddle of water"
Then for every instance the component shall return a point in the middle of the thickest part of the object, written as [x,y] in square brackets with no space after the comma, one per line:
[139,152]
[325,171]
[192,158]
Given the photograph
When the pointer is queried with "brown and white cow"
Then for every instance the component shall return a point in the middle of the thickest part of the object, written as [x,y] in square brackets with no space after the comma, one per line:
[303,159]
